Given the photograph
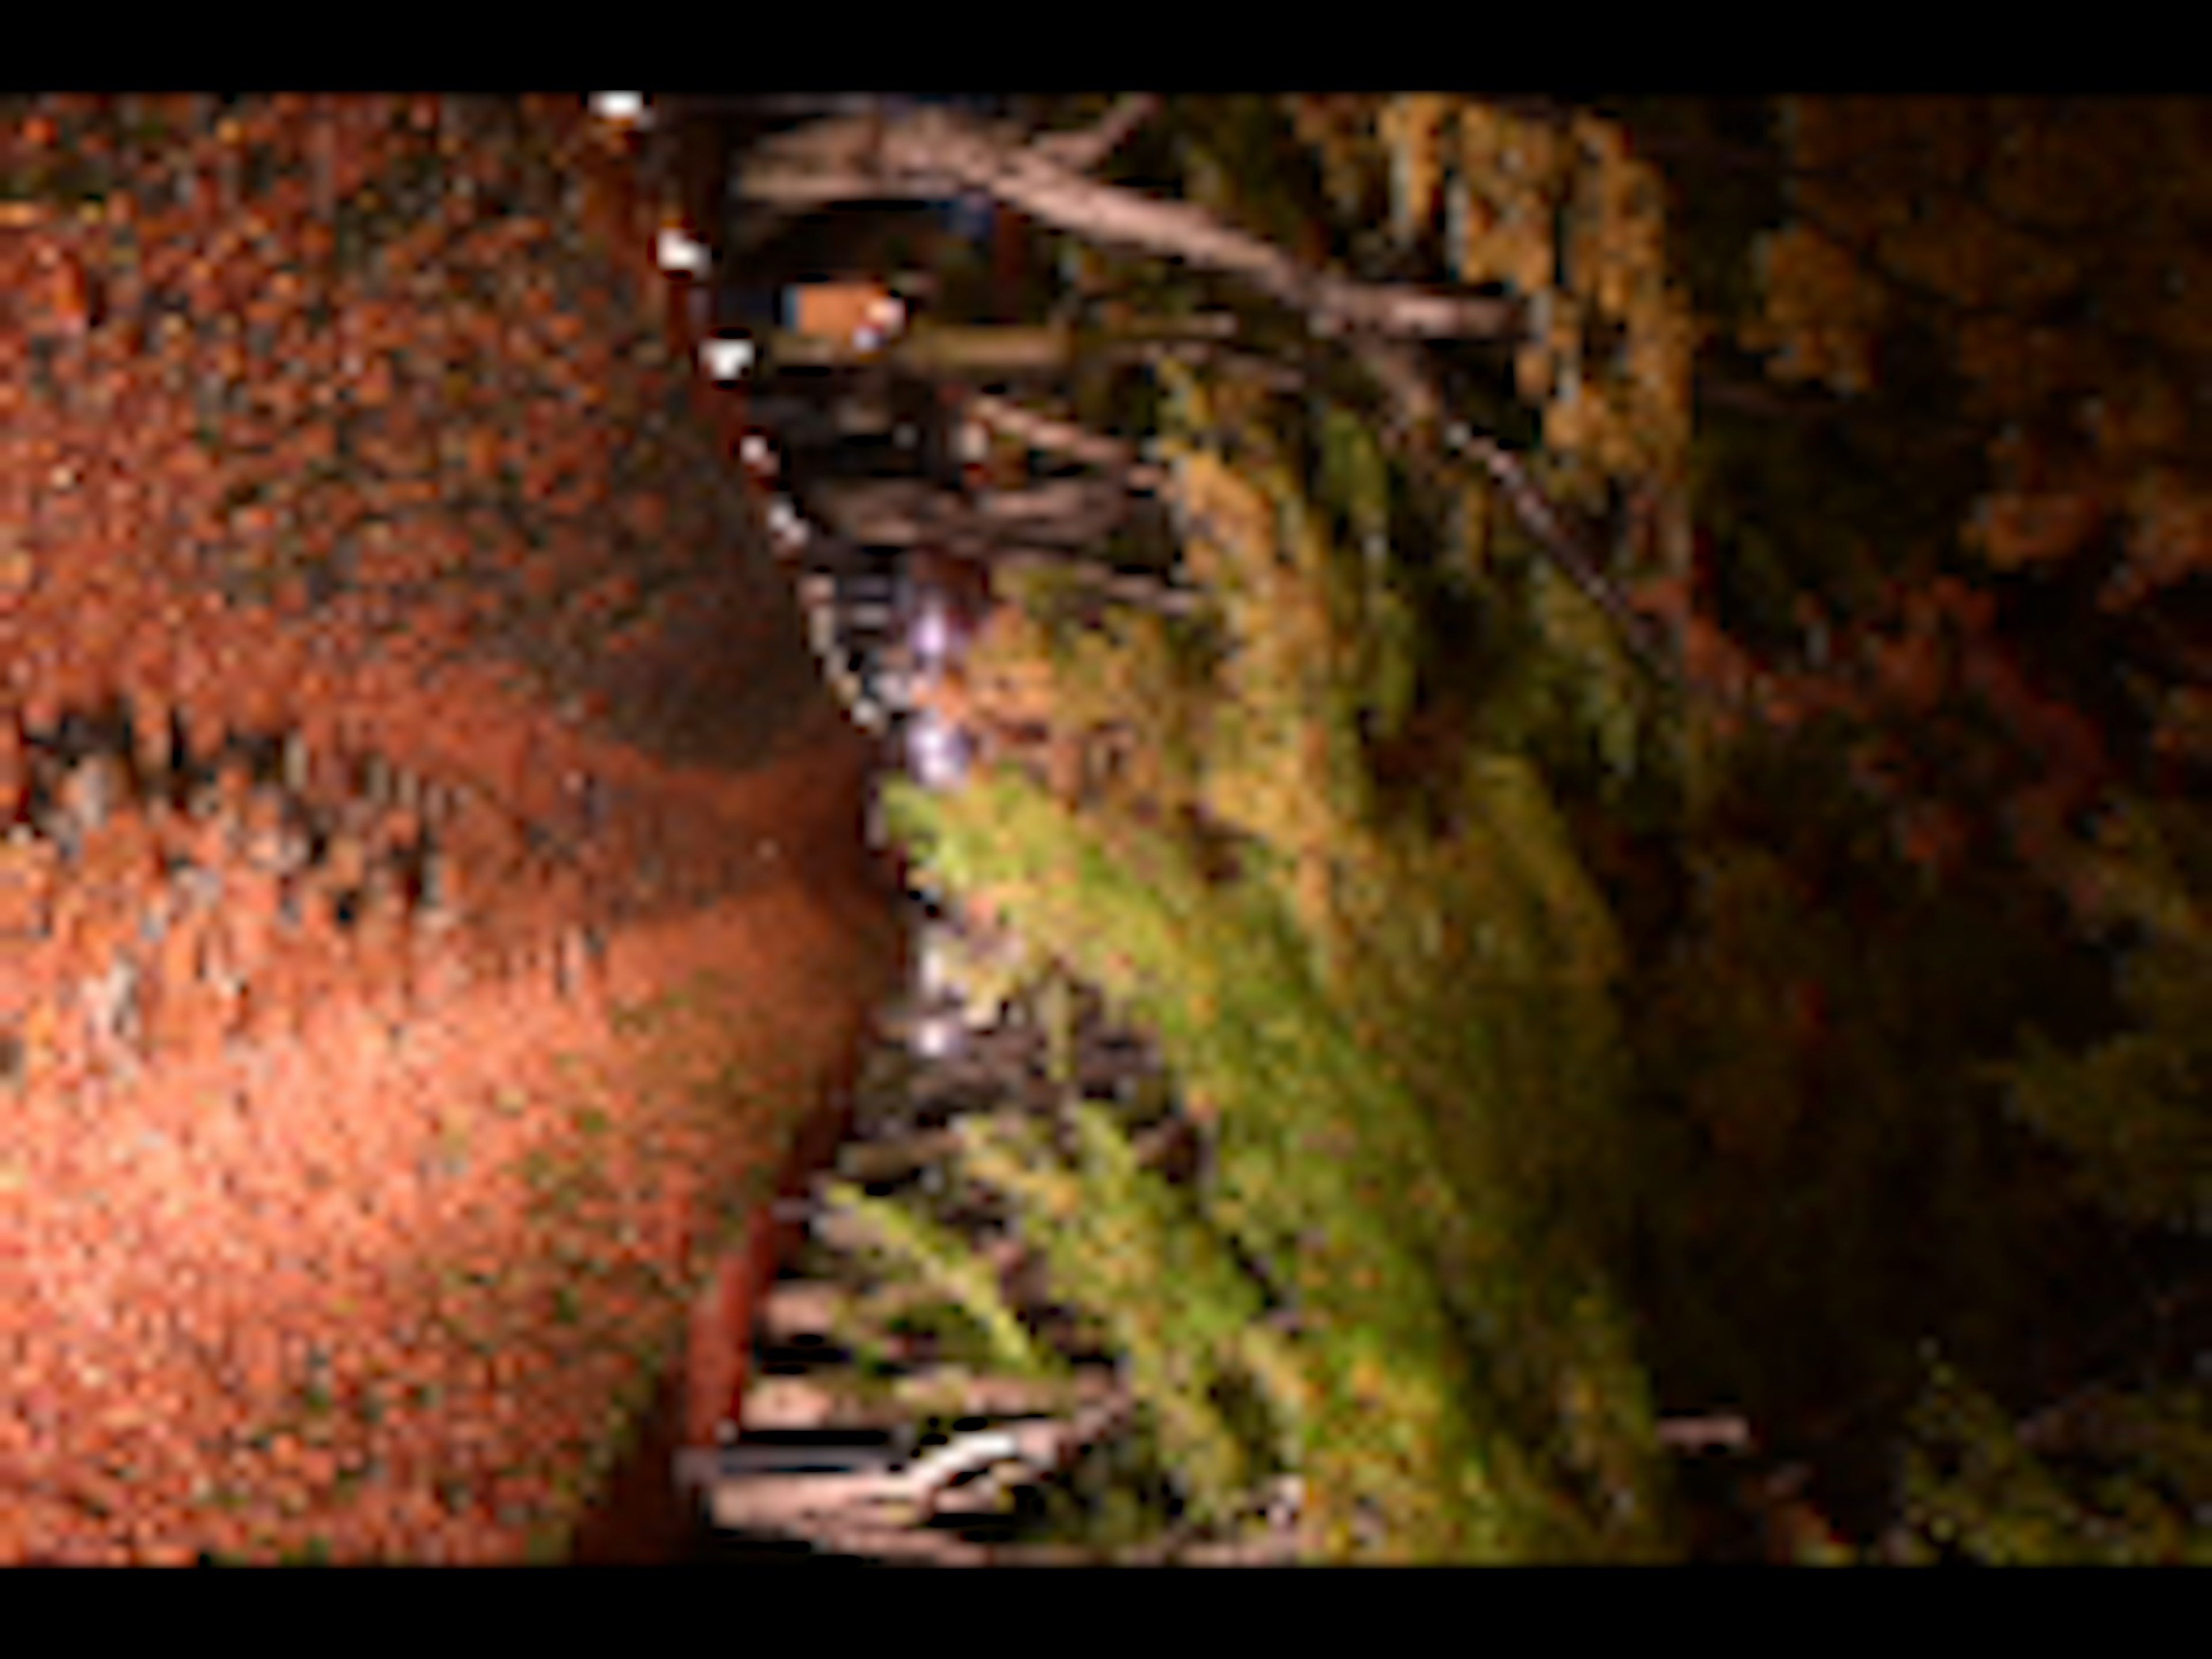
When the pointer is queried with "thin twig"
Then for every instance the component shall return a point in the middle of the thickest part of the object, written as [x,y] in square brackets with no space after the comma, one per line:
[1562,547]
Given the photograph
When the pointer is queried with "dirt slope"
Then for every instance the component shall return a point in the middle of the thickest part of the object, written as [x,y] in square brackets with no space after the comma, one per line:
[433,875]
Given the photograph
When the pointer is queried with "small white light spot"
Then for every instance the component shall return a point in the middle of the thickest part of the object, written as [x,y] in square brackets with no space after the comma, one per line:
[937,973]
[726,360]
[784,523]
[936,1037]
[679,251]
[932,634]
[935,752]
[623,108]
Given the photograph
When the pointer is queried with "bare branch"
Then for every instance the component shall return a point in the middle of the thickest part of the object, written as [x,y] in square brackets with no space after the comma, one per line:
[1691,1434]
[1144,591]
[1083,151]
[932,153]
[1397,367]
[874,1499]
[1049,525]
[1063,512]
[1046,432]
[894,512]
[997,349]
[1563,547]
[1066,513]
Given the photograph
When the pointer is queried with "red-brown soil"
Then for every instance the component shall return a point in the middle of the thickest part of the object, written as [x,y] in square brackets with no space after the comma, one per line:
[377,1104]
